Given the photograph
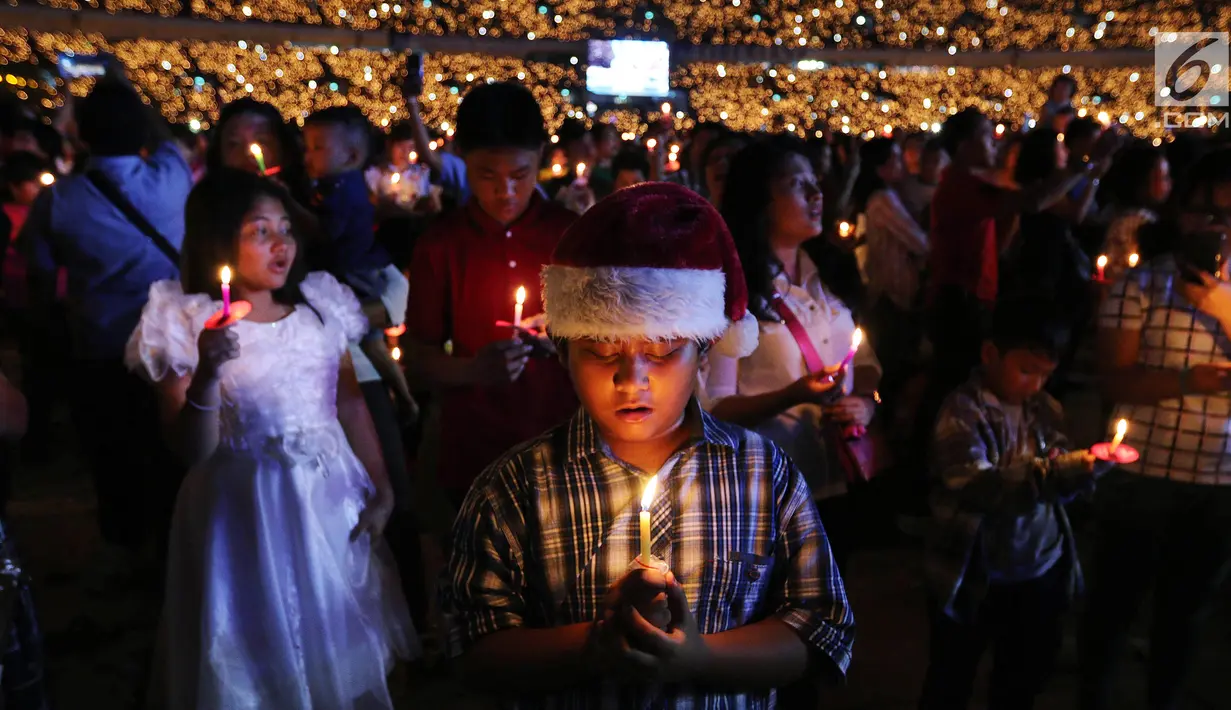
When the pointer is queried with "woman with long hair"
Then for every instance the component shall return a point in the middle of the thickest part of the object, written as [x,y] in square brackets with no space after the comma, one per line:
[278,593]
[1140,185]
[897,253]
[772,204]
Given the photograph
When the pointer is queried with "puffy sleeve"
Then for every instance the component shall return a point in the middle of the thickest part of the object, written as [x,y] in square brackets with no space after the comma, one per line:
[337,305]
[165,341]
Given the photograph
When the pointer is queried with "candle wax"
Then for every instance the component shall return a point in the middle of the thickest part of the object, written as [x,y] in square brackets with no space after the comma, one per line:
[645,536]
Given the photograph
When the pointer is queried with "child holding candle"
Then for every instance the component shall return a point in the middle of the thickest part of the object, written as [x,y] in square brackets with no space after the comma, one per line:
[277,593]
[1001,559]
[543,605]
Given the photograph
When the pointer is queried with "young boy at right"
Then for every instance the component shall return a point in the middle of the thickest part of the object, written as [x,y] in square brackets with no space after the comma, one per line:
[1001,560]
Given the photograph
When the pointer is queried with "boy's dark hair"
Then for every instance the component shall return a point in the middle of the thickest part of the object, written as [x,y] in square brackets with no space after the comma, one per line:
[23,167]
[959,127]
[1030,323]
[499,115]
[112,120]
[347,118]
[1066,79]
[1082,128]
[634,159]
[401,131]
[571,131]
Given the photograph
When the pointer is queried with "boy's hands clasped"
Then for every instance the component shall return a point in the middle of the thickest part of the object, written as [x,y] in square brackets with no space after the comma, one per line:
[632,649]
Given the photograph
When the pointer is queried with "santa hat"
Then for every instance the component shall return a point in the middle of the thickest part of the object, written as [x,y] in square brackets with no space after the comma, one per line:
[653,261]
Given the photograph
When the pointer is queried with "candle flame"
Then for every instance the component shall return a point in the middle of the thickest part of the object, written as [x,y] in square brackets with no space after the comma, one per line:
[1102,261]
[581,169]
[414,157]
[1121,428]
[844,229]
[666,107]
[651,143]
[256,151]
[556,169]
[521,295]
[432,145]
[1132,261]
[647,494]
[47,179]
[395,178]
[225,275]
[396,353]
[856,338]
[675,148]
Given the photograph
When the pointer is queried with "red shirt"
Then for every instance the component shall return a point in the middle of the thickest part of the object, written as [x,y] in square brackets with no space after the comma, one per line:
[965,253]
[463,278]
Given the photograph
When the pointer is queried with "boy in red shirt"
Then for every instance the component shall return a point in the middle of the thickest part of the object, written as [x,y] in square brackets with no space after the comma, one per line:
[494,389]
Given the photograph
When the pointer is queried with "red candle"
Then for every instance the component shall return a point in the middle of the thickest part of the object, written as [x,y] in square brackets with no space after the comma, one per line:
[1102,266]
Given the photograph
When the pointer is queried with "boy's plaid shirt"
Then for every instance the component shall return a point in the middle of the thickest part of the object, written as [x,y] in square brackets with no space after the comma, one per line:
[545,531]
[976,471]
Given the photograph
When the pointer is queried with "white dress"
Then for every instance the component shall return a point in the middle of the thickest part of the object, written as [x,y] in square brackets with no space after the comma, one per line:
[269,604]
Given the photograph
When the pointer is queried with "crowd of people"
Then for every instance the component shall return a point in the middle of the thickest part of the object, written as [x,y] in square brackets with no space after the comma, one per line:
[605,420]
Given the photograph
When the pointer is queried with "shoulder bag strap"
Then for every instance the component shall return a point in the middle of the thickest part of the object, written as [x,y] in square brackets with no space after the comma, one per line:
[133,215]
[812,358]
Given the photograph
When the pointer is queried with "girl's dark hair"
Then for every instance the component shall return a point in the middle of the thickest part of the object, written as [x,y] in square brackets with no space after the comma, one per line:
[1129,182]
[1036,159]
[745,203]
[213,218]
[872,155]
[1195,189]
[23,167]
[293,174]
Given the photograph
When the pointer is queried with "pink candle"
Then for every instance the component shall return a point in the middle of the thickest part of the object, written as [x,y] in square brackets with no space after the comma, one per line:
[1101,264]
[856,341]
[226,292]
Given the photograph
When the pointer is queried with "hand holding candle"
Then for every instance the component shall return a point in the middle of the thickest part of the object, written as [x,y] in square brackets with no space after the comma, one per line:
[259,154]
[1116,451]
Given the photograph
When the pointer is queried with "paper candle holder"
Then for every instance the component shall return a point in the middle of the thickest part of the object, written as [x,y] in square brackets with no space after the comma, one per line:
[1123,454]
[239,311]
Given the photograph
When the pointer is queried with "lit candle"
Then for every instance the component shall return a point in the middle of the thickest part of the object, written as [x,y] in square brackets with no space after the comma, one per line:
[1121,430]
[581,175]
[226,292]
[647,497]
[520,301]
[47,179]
[557,169]
[395,178]
[651,144]
[856,341]
[396,353]
[1132,261]
[666,107]
[414,157]
[844,229]
[1102,265]
[259,154]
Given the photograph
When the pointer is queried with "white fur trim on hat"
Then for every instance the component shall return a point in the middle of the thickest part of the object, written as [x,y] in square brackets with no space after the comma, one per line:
[619,302]
[741,338]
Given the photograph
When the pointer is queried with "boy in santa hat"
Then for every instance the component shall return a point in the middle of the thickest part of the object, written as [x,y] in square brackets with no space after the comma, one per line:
[544,608]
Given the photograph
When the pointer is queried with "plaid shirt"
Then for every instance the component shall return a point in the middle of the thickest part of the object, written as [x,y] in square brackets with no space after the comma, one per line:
[545,531]
[1185,439]
[977,471]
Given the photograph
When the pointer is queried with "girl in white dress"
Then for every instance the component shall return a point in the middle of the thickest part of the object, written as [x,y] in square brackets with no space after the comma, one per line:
[278,590]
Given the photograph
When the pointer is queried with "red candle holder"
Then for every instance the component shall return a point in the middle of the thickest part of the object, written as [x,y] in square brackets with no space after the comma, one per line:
[239,311]
[1122,455]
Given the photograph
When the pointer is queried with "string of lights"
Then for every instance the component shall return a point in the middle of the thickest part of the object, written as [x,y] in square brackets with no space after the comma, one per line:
[189,81]
[946,25]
